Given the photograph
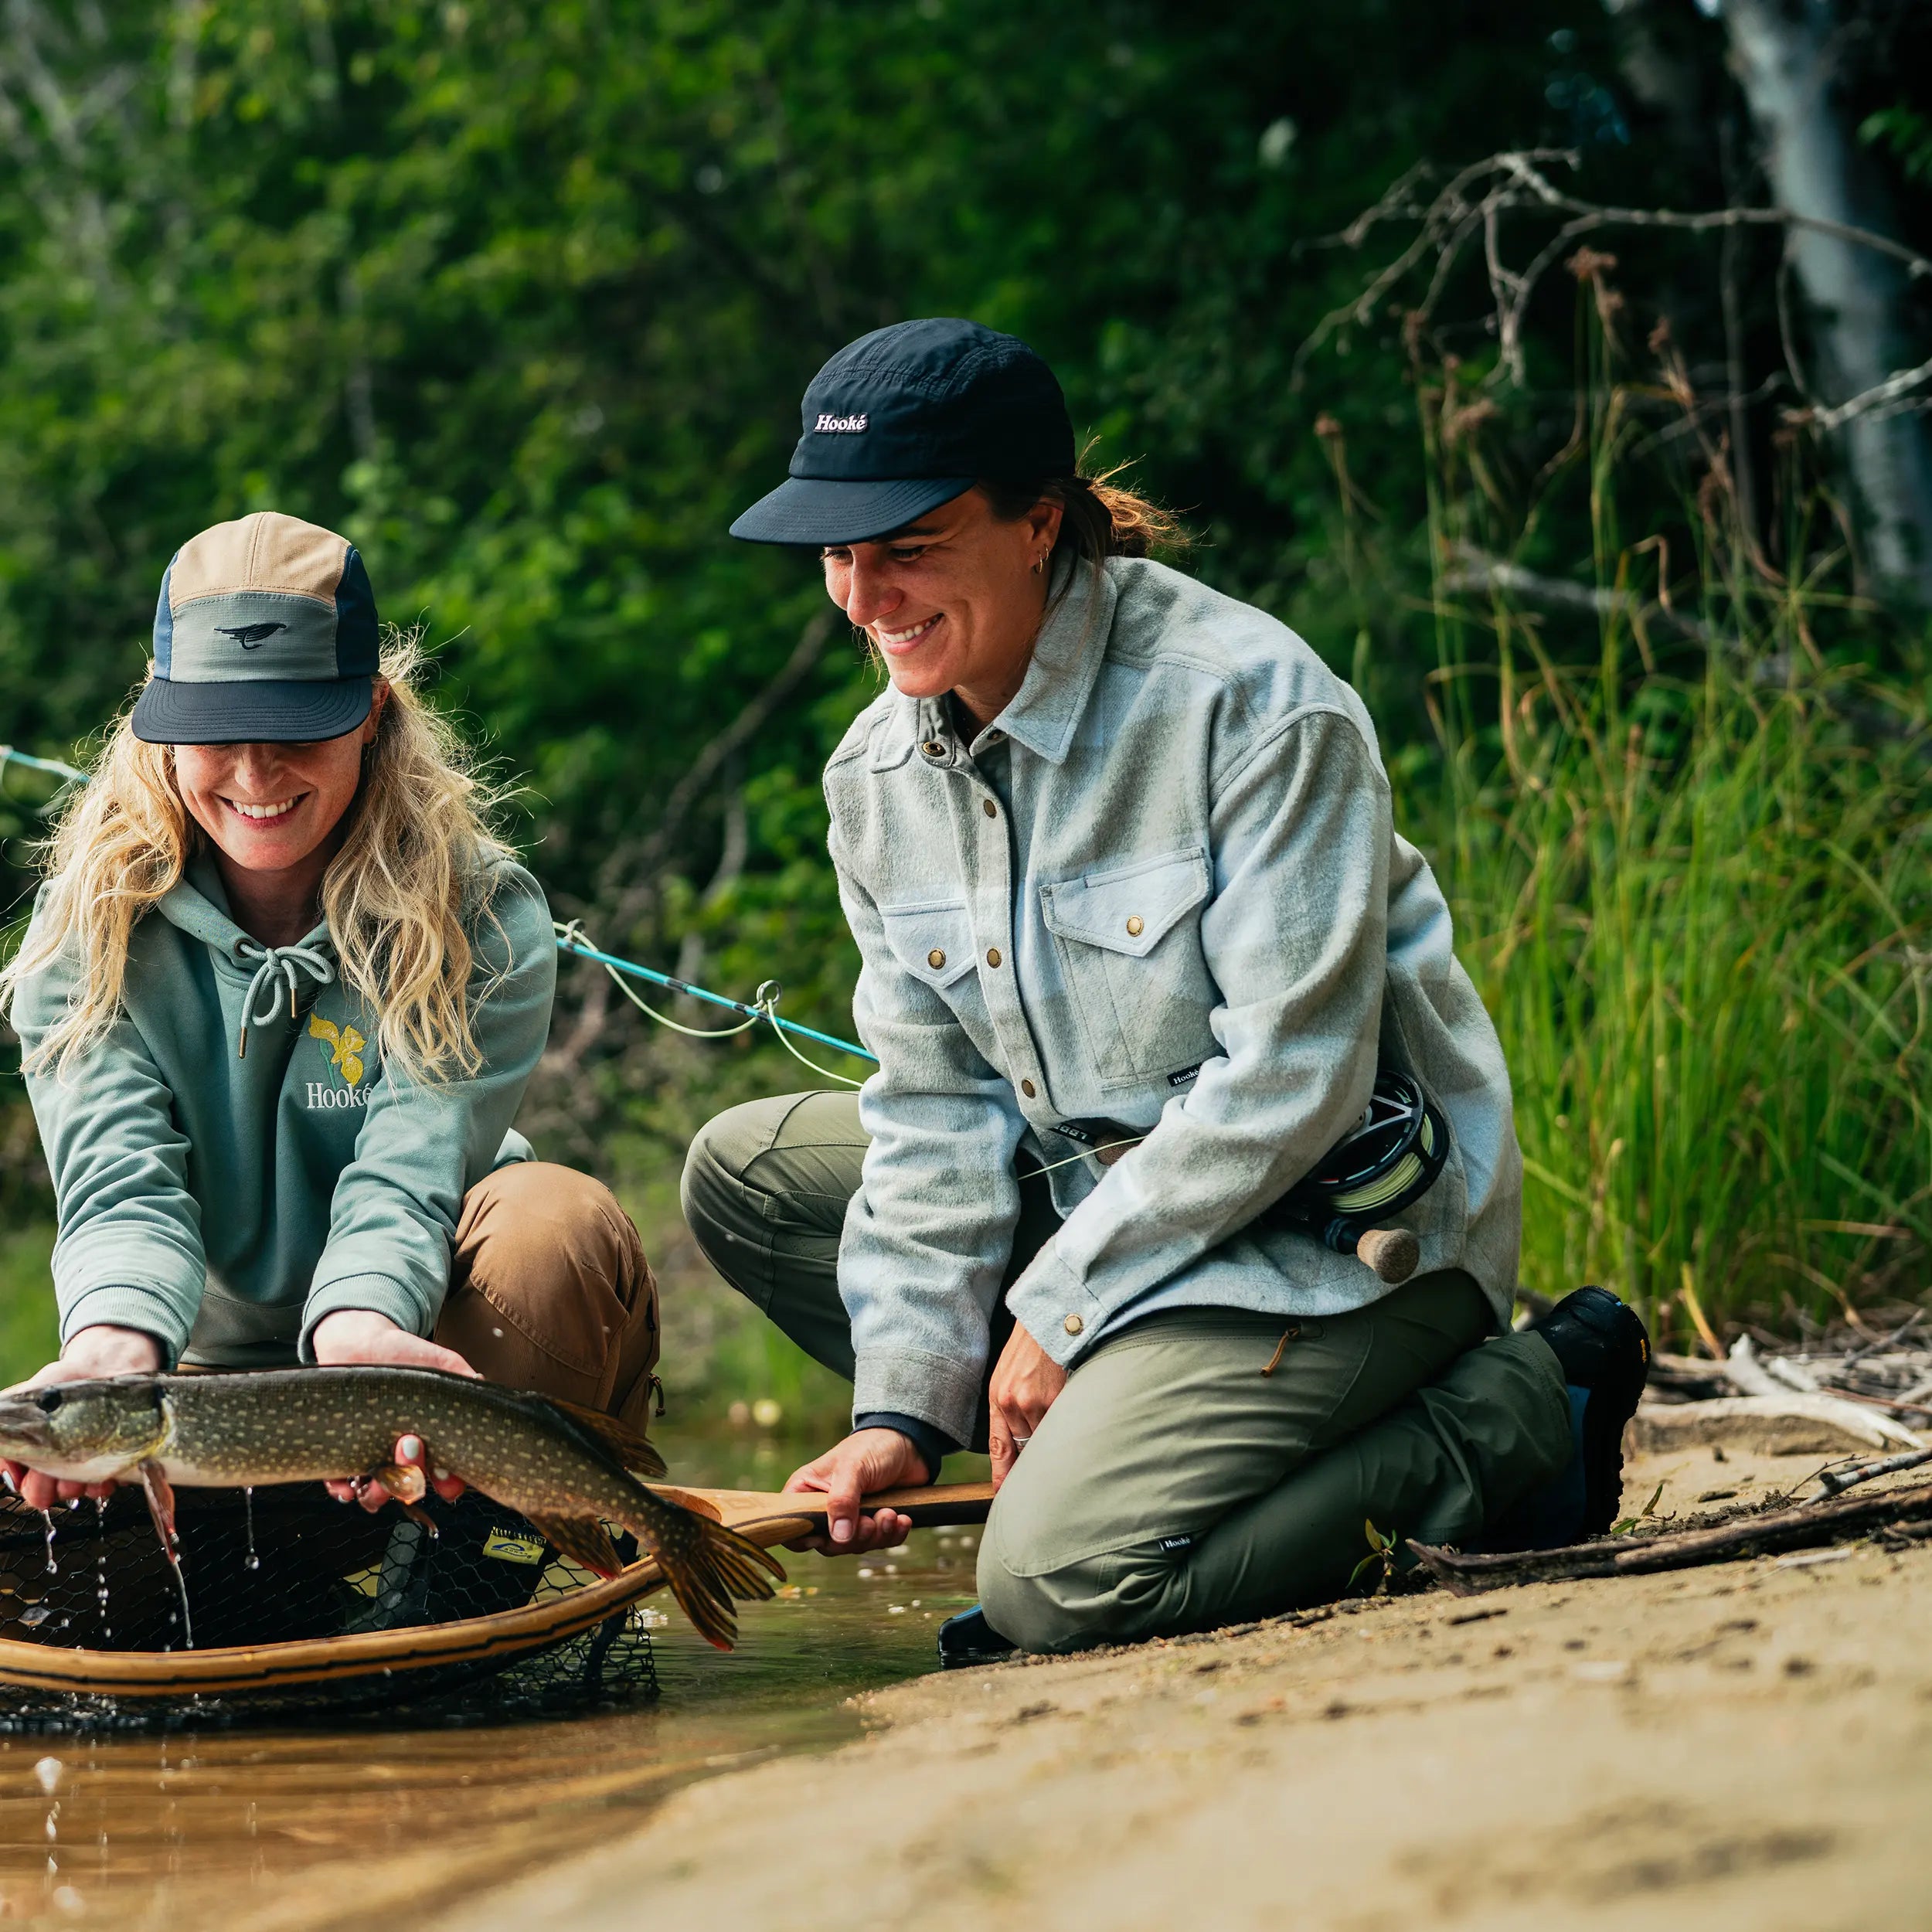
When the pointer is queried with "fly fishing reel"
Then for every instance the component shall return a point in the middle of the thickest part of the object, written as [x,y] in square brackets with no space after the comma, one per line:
[1385,1164]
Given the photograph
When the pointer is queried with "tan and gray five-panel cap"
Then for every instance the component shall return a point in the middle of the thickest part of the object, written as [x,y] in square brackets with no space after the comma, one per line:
[266,633]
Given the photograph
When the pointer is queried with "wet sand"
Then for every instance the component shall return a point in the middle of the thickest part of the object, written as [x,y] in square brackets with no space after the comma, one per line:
[1747,1746]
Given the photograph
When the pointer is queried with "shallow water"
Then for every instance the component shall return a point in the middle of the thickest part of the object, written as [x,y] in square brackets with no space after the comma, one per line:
[306,1829]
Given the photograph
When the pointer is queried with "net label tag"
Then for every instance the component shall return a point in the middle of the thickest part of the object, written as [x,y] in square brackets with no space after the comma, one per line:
[510,1547]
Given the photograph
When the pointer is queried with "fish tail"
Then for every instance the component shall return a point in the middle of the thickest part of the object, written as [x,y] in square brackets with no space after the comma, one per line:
[724,1565]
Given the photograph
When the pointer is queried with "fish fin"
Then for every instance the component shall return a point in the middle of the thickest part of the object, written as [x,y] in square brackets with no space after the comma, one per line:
[724,1565]
[614,1438]
[161,1502]
[582,1539]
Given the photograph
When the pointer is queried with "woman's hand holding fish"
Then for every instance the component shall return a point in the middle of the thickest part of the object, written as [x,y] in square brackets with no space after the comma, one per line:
[359,1335]
[101,1350]
[867,1460]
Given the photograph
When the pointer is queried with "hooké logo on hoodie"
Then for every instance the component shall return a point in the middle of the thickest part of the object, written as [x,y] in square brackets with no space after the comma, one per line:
[343,1046]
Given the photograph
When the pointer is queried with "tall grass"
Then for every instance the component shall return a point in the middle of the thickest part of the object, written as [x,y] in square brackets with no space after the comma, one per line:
[1691,865]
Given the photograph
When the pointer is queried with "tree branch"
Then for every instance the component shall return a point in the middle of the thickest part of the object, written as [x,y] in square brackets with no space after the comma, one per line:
[1474,200]
[1477,570]
[644,860]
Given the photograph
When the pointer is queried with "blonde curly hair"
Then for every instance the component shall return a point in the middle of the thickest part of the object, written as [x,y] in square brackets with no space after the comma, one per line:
[414,871]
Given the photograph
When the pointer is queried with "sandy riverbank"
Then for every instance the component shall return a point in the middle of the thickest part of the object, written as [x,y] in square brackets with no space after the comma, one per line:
[1745,1746]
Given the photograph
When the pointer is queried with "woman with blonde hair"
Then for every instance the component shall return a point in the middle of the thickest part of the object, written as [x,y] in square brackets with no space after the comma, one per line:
[279,1000]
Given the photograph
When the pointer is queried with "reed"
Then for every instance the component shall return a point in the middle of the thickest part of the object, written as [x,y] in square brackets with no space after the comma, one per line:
[1691,865]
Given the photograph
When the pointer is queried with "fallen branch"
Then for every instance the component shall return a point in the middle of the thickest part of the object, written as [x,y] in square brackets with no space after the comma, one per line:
[1831,1483]
[1477,570]
[1809,1526]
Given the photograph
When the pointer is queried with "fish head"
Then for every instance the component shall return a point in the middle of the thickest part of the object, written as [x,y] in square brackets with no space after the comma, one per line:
[86,1430]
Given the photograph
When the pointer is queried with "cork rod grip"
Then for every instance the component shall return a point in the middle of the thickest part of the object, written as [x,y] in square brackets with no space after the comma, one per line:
[1392,1253]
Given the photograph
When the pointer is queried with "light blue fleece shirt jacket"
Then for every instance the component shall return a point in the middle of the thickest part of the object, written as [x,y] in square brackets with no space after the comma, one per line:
[225,1202]
[1163,888]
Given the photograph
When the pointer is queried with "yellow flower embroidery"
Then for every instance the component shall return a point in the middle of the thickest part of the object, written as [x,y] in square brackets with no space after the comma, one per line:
[344,1047]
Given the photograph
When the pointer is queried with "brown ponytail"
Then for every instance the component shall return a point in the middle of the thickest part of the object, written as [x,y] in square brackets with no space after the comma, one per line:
[1098,517]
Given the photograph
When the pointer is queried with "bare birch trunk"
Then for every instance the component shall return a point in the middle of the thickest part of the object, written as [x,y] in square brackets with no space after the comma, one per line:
[1781,54]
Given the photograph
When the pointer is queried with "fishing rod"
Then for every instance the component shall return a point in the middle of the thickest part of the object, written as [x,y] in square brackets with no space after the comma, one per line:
[570,939]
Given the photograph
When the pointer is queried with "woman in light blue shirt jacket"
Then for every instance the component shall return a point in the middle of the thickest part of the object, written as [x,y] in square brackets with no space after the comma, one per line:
[1137,933]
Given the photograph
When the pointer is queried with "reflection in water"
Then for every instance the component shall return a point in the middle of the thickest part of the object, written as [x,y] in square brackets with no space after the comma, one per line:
[310,1829]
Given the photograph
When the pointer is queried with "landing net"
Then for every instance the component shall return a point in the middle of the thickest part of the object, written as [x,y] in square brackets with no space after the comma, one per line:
[300,1606]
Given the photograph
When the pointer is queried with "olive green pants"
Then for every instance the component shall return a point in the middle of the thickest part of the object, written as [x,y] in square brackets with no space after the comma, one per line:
[1202,1466]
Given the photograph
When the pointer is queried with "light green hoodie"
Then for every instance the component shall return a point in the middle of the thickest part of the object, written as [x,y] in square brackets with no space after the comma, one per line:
[225,1201]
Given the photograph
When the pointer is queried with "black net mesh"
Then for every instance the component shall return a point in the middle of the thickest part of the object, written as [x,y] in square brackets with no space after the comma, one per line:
[278,1565]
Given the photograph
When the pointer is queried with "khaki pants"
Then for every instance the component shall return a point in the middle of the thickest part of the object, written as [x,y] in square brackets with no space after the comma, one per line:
[549,1290]
[1202,1466]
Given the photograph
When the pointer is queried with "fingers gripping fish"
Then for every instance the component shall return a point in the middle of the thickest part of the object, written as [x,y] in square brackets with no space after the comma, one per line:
[569,1470]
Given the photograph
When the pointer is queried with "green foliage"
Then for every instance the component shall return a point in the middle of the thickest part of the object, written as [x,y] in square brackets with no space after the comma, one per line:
[1689,870]
[1907,134]
[522,297]
[1381,1559]
[28,1337]
[1625,1524]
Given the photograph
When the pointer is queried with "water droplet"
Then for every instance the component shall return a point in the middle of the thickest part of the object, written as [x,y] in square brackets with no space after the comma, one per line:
[48,1771]
[248,1505]
[53,1569]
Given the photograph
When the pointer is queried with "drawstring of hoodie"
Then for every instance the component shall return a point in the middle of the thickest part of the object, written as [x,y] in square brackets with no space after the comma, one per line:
[258,1010]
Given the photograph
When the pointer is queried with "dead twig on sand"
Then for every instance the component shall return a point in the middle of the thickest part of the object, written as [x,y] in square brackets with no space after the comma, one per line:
[1806,1527]
[1831,1483]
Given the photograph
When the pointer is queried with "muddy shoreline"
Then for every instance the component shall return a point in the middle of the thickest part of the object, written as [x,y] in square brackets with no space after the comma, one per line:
[1746,1745]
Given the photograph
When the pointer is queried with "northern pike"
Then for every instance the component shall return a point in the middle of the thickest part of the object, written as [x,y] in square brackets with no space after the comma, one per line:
[569,1471]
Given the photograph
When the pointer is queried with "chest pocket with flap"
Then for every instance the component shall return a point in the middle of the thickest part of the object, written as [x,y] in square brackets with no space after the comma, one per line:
[933,941]
[1131,951]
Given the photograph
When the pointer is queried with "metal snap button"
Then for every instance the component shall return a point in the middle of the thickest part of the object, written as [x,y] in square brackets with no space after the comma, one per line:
[1074,1325]
[1135,926]
[933,748]
[990,810]
[992,956]
[935,959]
[1028,1088]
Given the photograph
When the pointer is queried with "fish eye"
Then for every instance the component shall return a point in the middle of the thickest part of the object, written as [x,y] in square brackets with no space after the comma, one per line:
[48,1400]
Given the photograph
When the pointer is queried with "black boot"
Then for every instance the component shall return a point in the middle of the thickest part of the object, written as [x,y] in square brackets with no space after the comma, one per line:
[1603,1350]
[968,1638]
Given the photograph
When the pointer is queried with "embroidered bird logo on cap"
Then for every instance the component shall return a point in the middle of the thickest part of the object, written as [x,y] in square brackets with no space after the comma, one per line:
[250,637]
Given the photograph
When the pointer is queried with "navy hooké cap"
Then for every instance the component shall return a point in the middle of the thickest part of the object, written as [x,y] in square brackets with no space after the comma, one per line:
[905,418]
[265,634]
